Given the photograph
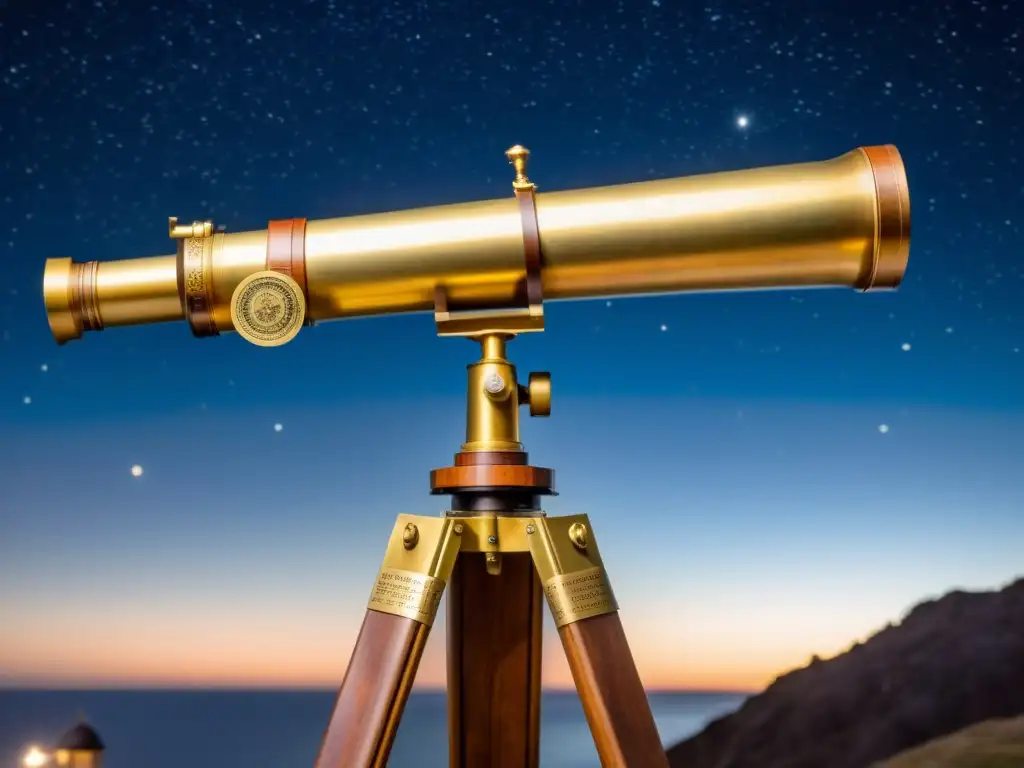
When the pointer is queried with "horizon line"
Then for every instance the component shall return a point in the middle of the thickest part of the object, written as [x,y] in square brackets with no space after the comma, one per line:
[256,688]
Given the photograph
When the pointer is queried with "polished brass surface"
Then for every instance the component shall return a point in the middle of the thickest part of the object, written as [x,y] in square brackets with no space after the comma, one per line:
[407,593]
[518,156]
[528,315]
[268,308]
[579,595]
[578,535]
[196,245]
[411,580]
[839,222]
[574,578]
[178,231]
[492,400]
[510,533]
[492,562]
[538,394]
[493,397]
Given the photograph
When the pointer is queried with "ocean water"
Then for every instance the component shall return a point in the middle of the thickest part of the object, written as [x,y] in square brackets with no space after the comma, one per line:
[273,729]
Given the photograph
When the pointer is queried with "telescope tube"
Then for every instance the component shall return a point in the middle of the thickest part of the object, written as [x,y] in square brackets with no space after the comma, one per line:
[839,222]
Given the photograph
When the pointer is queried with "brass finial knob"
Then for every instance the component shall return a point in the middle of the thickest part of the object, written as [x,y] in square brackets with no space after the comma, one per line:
[518,156]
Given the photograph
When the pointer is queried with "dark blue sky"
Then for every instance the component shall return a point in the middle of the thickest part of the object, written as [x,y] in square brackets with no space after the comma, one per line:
[767,407]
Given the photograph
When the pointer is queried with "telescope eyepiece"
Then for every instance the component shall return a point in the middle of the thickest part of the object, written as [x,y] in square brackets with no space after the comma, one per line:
[72,304]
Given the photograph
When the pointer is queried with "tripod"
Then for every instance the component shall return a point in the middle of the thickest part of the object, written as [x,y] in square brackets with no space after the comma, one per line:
[497,553]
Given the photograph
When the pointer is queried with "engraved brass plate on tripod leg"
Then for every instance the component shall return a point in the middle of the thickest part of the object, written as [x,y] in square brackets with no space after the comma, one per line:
[418,563]
[579,595]
[268,308]
[570,568]
[407,593]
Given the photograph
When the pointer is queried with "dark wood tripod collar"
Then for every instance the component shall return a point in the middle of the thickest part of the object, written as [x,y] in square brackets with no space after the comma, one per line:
[490,472]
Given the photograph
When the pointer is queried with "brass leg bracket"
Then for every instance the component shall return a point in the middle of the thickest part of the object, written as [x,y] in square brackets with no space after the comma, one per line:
[422,550]
[418,563]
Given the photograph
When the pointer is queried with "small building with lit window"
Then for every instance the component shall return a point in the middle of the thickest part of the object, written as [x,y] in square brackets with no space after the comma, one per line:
[81,747]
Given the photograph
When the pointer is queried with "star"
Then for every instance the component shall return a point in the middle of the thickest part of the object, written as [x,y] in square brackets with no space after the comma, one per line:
[278,427]
[664,327]
[136,470]
[26,400]
[742,121]
[44,367]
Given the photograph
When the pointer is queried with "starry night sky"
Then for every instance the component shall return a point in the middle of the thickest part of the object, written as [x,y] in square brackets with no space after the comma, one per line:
[800,466]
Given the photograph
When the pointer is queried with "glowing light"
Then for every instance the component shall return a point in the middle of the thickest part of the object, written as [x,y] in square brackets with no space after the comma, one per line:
[26,400]
[883,428]
[664,327]
[136,470]
[278,427]
[742,121]
[34,756]
[905,347]
[44,367]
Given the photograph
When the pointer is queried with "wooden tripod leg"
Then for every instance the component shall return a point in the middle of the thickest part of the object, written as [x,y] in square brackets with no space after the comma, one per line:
[612,694]
[419,560]
[586,614]
[494,661]
[374,692]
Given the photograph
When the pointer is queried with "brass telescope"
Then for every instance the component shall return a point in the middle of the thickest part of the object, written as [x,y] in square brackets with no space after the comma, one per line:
[485,269]
[840,222]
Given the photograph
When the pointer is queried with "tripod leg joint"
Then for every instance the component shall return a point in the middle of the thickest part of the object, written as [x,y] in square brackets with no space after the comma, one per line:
[417,565]
[570,568]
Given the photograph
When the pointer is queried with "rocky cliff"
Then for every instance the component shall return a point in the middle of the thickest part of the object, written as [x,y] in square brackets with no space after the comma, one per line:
[950,663]
[992,744]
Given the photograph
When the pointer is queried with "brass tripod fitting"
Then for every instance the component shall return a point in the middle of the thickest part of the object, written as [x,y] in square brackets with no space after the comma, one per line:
[494,395]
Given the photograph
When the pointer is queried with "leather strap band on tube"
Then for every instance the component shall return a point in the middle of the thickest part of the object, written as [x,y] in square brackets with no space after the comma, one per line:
[286,252]
[531,247]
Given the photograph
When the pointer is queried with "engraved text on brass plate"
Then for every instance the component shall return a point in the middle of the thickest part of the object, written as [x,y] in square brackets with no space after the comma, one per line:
[407,593]
[579,595]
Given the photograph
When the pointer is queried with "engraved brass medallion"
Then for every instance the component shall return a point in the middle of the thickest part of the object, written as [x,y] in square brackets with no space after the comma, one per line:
[268,308]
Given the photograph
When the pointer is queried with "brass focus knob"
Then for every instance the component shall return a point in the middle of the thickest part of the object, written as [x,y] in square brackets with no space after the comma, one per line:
[538,391]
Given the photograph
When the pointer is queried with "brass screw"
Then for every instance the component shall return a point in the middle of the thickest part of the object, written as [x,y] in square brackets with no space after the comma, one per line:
[410,536]
[458,529]
[578,535]
[531,528]
[492,539]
